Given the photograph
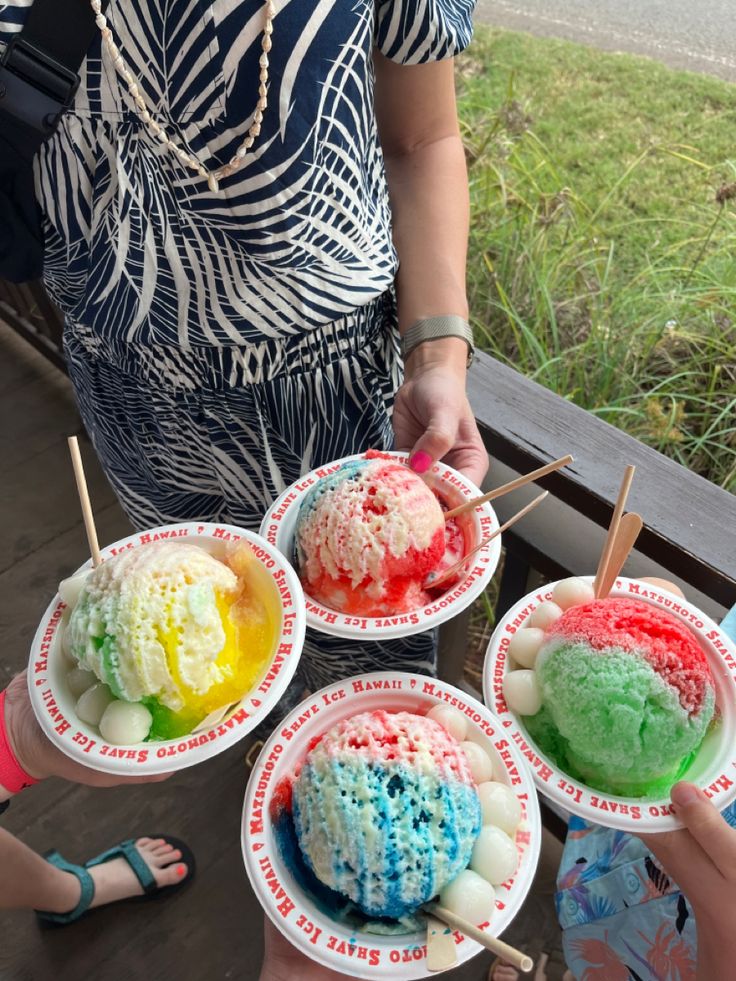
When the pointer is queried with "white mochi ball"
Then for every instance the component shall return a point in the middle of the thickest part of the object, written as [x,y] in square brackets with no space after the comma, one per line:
[79,680]
[545,615]
[69,589]
[450,719]
[64,643]
[469,896]
[494,855]
[522,693]
[572,592]
[524,645]
[125,722]
[92,703]
[479,761]
[500,806]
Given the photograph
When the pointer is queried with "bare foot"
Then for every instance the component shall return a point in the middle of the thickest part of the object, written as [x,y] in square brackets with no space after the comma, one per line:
[116,880]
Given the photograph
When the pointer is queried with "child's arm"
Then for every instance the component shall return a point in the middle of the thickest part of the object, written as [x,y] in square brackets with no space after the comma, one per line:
[702,859]
[37,757]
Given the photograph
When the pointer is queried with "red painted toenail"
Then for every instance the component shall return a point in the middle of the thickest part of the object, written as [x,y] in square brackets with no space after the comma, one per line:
[181,870]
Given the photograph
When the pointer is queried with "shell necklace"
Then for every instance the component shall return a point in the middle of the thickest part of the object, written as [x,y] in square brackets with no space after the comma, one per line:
[211,176]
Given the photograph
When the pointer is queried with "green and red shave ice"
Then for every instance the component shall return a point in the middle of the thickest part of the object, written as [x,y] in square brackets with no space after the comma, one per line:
[620,695]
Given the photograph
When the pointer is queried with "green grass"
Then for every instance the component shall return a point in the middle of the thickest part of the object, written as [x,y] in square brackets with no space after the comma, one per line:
[601,263]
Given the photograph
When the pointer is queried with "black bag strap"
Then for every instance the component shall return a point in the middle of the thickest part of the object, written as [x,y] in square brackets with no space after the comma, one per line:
[39,70]
[64,29]
[39,77]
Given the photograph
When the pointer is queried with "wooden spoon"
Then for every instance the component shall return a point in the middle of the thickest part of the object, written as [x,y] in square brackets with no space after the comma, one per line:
[441,949]
[628,531]
[613,528]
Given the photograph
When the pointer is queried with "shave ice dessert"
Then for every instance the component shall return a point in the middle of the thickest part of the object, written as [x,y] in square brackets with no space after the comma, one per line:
[369,537]
[618,692]
[165,637]
[389,810]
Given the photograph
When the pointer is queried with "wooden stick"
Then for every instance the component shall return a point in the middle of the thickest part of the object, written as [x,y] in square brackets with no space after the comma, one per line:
[628,532]
[511,955]
[430,583]
[613,528]
[89,521]
[512,485]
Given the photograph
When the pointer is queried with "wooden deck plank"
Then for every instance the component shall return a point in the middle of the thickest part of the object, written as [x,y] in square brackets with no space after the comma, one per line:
[29,585]
[31,314]
[45,501]
[18,367]
[35,417]
[212,929]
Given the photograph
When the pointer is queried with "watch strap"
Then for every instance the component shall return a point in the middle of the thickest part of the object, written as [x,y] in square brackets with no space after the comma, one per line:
[434,328]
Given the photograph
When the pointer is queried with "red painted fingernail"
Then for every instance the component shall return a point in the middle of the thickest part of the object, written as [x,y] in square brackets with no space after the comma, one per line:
[420,462]
[181,870]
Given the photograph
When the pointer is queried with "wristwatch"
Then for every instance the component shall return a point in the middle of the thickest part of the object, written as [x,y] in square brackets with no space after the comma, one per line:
[433,328]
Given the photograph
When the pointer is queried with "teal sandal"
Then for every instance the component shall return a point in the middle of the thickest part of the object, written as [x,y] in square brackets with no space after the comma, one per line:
[127,850]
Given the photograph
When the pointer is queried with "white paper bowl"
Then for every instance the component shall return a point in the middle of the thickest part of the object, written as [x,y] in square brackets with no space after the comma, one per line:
[714,767]
[279,525]
[54,704]
[293,911]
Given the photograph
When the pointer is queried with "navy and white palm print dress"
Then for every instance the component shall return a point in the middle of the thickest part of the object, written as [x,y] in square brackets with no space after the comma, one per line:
[221,345]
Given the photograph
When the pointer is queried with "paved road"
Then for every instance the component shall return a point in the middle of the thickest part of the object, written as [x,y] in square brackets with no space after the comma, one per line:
[699,35]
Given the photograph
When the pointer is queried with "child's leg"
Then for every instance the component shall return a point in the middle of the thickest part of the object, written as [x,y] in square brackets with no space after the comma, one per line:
[30,882]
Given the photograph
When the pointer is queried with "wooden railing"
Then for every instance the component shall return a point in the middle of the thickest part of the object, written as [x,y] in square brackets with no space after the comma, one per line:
[689,523]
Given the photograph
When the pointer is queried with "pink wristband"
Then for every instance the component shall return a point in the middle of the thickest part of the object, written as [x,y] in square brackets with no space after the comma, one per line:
[12,775]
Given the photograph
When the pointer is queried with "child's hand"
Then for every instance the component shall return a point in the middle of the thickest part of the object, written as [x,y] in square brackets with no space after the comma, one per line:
[701,858]
[282,962]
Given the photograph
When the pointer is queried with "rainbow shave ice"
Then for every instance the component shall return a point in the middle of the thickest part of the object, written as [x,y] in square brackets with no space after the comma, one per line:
[626,695]
[165,634]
